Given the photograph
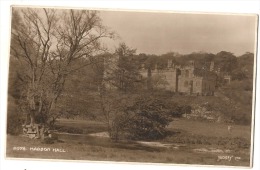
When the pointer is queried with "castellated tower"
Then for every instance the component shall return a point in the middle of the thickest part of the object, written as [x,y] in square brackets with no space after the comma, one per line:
[162,78]
[183,79]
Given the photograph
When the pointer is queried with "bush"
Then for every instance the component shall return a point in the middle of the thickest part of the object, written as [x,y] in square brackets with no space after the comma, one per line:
[146,119]
[242,119]
[14,124]
[178,110]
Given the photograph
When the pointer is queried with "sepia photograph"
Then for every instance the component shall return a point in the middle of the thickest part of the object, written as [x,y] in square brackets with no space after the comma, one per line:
[131,86]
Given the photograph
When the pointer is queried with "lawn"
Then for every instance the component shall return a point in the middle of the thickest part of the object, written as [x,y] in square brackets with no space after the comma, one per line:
[210,129]
[85,147]
[80,126]
[192,127]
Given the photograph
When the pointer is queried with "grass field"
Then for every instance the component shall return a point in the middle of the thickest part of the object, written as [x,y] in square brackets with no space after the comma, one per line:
[85,147]
[210,129]
[80,126]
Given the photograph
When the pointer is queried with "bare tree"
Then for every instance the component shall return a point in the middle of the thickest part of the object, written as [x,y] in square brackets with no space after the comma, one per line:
[50,45]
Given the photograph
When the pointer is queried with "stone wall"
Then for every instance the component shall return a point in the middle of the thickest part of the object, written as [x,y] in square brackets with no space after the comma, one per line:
[185,82]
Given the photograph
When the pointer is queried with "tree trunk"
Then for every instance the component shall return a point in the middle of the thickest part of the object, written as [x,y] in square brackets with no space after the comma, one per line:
[149,79]
[32,117]
[28,119]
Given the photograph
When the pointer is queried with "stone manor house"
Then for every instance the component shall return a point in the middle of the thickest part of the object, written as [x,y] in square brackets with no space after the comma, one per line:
[187,79]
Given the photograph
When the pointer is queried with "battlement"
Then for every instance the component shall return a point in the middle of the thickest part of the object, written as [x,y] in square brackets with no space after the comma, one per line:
[183,79]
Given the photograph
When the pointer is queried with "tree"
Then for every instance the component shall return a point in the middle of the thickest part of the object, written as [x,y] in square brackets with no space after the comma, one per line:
[226,61]
[147,118]
[135,117]
[126,74]
[48,43]
[244,69]
[121,77]
[113,105]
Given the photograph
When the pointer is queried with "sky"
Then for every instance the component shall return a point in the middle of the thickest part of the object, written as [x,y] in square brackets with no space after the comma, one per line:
[159,33]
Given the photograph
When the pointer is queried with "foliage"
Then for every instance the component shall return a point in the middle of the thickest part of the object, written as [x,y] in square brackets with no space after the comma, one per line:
[245,65]
[239,103]
[48,43]
[125,76]
[57,70]
[178,110]
[14,124]
[134,116]
[242,118]
[138,115]
[15,119]
[147,118]
[111,106]
[225,63]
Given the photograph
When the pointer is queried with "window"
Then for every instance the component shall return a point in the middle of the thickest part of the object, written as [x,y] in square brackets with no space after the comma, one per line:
[186,84]
[187,73]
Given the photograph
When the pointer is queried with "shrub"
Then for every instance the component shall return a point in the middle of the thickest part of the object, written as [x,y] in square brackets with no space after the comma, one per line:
[14,123]
[178,110]
[146,119]
[242,119]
